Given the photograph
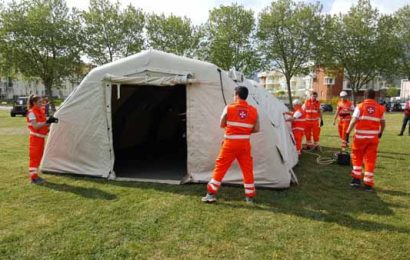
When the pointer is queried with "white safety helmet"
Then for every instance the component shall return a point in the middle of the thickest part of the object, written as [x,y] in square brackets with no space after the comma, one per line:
[343,94]
[296,102]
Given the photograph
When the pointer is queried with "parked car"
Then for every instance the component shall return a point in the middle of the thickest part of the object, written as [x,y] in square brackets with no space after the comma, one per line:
[396,107]
[19,107]
[326,107]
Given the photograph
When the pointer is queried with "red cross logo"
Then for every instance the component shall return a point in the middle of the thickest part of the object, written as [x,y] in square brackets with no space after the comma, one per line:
[371,110]
[243,114]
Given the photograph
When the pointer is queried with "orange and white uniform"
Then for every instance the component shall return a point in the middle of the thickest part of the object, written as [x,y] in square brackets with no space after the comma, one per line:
[241,119]
[312,126]
[36,140]
[344,112]
[298,126]
[369,114]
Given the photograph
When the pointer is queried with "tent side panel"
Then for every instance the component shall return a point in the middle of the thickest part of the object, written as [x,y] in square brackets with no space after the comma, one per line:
[79,143]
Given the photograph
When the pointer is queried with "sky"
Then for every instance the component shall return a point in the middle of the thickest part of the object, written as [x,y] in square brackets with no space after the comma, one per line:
[197,10]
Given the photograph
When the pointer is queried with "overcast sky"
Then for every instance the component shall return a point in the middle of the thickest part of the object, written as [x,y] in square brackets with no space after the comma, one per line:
[197,10]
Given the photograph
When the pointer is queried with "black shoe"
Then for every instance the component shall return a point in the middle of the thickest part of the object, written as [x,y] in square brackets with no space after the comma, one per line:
[368,188]
[38,180]
[355,183]
[400,134]
[249,200]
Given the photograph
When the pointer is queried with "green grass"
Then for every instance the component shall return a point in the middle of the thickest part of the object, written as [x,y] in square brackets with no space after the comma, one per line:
[322,218]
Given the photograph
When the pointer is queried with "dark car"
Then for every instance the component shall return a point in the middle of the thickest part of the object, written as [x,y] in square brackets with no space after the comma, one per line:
[19,107]
[326,107]
[396,107]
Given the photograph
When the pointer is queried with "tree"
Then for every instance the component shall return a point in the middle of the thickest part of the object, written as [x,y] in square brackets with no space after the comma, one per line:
[403,37]
[111,33]
[42,38]
[392,91]
[360,42]
[172,34]
[287,32]
[227,42]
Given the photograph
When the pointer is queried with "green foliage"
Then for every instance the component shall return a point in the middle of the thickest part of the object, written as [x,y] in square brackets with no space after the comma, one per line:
[287,32]
[41,38]
[321,218]
[172,34]
[402,34]
[111,33]
[228,33]
[392,91]
[355,41]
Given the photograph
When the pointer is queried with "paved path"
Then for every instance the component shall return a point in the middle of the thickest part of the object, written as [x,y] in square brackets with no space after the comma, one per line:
[5,107]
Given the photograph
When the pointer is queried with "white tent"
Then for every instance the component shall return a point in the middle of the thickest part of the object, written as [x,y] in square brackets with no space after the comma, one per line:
[155,116]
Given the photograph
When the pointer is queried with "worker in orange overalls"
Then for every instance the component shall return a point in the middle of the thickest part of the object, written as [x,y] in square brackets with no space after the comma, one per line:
[314,120]
[368,121]
[344,111]
[298,123]
[240,120]
[38,125]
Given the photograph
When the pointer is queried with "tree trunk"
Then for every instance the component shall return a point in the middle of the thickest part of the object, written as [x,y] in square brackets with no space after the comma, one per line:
[289,92]
[354,96]
[49,94]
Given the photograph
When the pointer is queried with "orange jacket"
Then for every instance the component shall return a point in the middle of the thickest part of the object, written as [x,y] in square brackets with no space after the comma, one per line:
[40,118]
[344,110]
[299,123]
[240,120]
[312,109]
[368,123]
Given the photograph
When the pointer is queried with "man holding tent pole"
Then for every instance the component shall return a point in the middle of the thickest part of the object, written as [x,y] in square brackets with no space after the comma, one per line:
[298,124]
[240,120]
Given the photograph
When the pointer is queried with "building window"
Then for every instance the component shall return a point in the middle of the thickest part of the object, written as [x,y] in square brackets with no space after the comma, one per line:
[329,81]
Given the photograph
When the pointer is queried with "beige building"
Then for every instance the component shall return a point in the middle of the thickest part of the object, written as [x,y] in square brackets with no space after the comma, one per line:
[275,82]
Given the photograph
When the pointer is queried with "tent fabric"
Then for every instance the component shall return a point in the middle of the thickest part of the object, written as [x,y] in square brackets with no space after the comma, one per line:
[82,141]
[149,80]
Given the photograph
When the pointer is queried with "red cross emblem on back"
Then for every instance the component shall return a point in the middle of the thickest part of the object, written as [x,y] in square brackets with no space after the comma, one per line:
[243,114]
[371,110]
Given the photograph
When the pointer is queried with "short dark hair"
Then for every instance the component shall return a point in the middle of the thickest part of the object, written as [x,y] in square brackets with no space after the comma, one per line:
[242,92]
[370,94]
[314,93]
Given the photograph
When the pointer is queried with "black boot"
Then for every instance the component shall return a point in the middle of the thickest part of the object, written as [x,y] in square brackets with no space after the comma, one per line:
[355,183]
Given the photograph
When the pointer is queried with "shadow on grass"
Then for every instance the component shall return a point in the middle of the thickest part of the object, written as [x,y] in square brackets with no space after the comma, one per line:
[89,193]
[394,153]
[323,195]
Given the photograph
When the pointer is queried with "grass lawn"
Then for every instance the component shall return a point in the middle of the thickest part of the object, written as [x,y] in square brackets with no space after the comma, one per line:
[322,218]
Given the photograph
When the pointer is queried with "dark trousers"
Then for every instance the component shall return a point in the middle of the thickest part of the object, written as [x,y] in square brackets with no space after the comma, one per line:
[405,120]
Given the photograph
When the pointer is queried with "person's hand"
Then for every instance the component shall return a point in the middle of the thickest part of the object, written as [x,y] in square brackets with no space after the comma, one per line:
[334,122]
[52,120]
[380,135]
[321,122]
[346,138]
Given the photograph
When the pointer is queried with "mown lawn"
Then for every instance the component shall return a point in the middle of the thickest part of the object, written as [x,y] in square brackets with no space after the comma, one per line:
[322,218]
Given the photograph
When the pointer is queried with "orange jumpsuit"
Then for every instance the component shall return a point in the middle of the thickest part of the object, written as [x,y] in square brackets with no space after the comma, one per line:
[241,119]
[366,140]
[36,140]
[298,126]
[312,126]
[344,112]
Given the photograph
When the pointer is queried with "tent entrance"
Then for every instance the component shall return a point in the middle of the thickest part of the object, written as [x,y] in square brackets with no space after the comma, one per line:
[149,132]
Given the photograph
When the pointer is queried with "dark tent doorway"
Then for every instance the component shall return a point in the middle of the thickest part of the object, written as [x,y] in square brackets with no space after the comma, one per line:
[149,132]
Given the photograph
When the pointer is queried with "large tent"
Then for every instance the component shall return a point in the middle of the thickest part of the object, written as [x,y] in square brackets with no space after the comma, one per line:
[154,117]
